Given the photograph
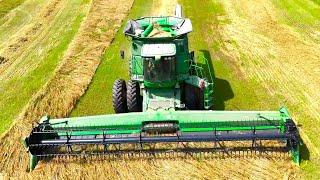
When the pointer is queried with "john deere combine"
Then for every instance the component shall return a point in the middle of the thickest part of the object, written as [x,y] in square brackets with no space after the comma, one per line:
[167,100]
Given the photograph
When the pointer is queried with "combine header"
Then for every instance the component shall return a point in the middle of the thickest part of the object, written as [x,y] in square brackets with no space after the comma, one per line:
[167,100]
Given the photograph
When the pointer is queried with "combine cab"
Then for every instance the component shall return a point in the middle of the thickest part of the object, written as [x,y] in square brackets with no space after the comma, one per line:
[168,99]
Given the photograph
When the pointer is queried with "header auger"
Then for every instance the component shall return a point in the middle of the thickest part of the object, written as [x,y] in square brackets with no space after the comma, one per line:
[168,99]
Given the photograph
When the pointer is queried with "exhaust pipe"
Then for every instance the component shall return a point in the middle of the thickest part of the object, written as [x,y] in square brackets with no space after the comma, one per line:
[178,11]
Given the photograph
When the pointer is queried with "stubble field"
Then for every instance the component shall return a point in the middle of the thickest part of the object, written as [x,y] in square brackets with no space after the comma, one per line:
[265,54]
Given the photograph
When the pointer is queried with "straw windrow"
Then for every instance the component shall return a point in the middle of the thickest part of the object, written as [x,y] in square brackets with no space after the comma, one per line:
[71,79]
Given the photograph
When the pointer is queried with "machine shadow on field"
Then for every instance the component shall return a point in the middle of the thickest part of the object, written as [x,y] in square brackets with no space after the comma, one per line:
[305,153]
[222,88]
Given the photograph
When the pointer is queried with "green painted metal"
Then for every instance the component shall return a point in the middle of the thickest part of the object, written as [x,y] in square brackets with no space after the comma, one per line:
[187,71]
[164,99]
[295,155]
[148,30]
[181,42]
[33,161]
[197,75]
[163,84]
[187,121]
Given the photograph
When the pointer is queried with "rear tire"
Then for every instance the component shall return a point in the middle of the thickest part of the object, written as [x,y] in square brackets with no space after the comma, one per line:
[134,99]
[119,96]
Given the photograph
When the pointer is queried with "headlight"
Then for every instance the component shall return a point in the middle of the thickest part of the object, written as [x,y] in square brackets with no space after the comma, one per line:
[168,58]
[148,58]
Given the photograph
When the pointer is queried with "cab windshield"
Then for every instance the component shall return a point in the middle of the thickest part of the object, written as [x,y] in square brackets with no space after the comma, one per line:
[159,70]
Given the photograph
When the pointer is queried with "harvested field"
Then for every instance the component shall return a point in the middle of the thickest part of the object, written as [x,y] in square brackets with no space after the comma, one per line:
[167,168]
[255,48]
[281,53]
[281,67]
[17,65]
[69,81]
[163,7]
[7,6]
[33,49]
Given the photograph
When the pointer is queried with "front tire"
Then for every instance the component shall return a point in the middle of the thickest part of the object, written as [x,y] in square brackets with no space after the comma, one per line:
[119,96]
[134,99]
[193,98]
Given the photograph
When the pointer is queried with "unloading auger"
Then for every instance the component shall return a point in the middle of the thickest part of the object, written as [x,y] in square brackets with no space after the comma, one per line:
[169,97]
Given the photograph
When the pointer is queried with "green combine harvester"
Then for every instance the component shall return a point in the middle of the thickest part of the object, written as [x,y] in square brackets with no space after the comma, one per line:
[167,100]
